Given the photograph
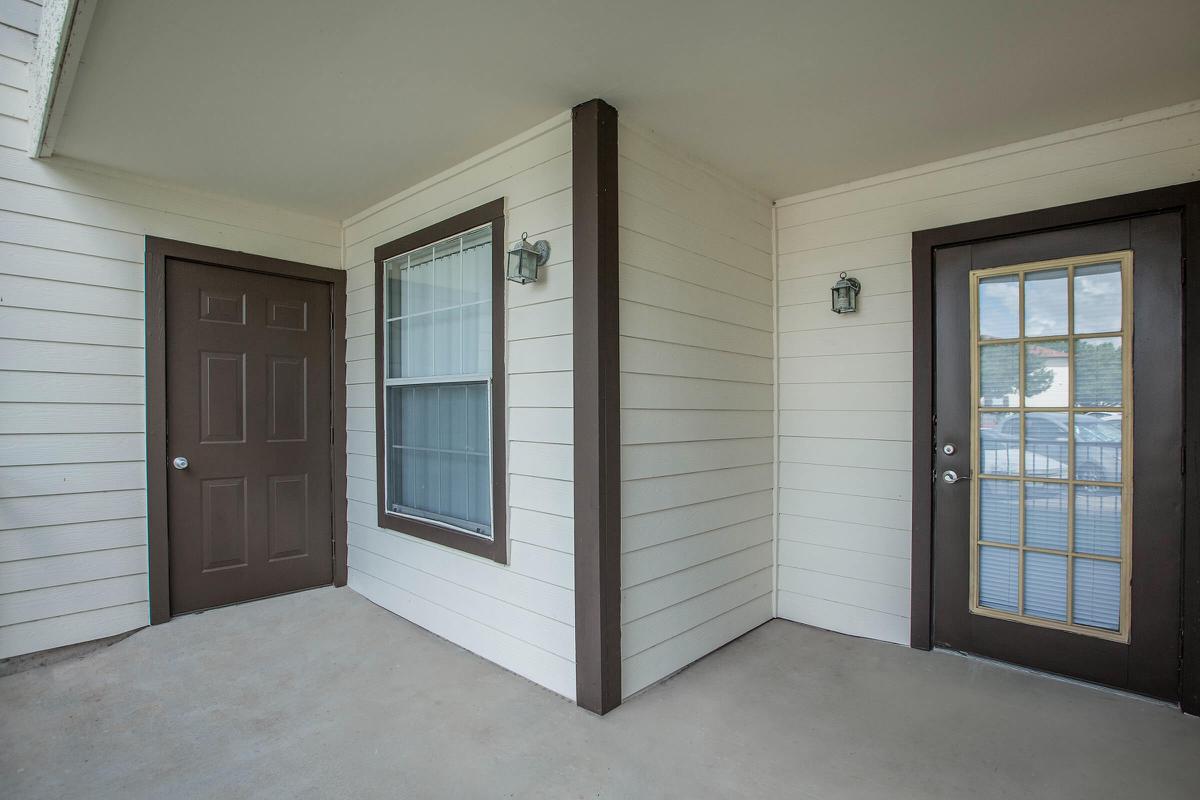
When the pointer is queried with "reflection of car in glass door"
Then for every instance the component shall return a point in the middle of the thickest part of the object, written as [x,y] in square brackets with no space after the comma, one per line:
[1097,445]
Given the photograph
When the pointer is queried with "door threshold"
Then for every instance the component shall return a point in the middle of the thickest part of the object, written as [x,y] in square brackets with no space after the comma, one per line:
[1099,687]
[199,611]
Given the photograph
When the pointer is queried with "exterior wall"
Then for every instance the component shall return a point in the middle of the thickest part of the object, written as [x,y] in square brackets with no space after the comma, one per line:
[697,410]
[845,391]
[72,421]
[522,615]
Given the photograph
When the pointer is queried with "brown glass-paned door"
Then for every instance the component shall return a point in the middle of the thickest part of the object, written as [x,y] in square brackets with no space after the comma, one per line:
[1058,498]
[248,435]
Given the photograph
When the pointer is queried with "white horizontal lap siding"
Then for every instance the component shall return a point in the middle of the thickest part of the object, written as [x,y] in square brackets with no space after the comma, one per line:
[72,365]
[697,407]
[846,381]
[22,15]
[16,51]
[519,615]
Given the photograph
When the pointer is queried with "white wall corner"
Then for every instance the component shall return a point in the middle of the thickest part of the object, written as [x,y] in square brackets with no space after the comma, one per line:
[60,43]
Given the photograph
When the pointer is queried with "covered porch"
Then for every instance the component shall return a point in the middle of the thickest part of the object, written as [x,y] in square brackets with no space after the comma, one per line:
[322,694]
[746,375]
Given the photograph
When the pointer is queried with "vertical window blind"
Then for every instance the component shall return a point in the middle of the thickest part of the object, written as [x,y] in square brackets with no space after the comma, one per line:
[438,380]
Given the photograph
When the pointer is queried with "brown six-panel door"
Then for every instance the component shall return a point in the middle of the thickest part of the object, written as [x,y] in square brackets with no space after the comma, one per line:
[1141,652]
[248,408]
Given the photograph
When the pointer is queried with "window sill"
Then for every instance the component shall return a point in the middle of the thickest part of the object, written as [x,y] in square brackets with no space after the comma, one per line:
[464,542]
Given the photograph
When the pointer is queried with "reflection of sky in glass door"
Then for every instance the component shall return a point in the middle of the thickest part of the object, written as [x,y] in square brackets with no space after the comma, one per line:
[1098,298]
[999,308]
[1046,303]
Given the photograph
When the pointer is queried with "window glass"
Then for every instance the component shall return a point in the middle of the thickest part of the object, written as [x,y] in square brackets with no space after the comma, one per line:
[1047,374]
[998,578]
[1050,506]
[1046,445]
[1000,443]
[999,375]
[1098,298]
[998,511]
[1098,446]
[1098,520]
[1098,372]
[1046,303]
[1046,586]
[1097,594]
[1046,515]
[999,307]
[438,357]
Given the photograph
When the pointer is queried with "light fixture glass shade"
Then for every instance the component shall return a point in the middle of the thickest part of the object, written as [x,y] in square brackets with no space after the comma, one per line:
[845,294]
[525,258]
[522,265]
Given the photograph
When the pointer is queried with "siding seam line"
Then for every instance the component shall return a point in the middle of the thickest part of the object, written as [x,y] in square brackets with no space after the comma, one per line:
[480,623]
[471,589]
[713,560]
[77,613]
[700,624]
[846,605]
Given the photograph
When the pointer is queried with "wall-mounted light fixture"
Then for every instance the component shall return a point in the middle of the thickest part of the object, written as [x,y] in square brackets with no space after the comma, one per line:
[525,258]
[845,294]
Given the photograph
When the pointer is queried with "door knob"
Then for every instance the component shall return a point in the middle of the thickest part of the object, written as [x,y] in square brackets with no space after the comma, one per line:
[950,476]
[180,462]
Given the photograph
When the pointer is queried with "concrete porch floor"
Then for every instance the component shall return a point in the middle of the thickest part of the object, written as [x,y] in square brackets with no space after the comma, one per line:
[323,694]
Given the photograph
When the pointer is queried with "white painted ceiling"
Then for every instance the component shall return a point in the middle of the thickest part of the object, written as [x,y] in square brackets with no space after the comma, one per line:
[328,107]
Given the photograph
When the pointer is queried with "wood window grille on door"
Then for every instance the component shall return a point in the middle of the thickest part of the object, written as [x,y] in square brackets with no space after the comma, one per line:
[1052,415]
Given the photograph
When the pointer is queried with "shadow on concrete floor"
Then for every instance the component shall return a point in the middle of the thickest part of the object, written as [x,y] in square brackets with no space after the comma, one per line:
[323,694]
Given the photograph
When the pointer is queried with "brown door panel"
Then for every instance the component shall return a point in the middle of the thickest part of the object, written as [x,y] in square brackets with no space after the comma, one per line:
[248,405]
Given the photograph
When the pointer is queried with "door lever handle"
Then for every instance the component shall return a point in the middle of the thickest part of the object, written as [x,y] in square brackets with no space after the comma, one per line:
[950,476]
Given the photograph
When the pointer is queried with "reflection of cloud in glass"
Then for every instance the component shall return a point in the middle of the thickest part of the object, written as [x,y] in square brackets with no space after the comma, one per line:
[1098,298]
[998,307]
[1046,303]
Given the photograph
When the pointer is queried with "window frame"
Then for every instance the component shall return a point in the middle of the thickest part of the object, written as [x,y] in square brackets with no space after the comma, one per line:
[495,548]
